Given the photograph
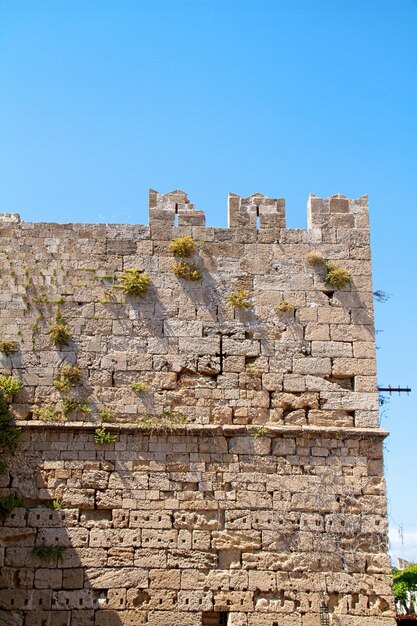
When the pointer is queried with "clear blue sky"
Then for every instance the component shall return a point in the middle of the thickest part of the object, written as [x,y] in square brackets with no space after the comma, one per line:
[101,99]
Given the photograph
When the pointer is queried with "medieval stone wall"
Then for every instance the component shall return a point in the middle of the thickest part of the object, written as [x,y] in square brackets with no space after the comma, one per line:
[245,482]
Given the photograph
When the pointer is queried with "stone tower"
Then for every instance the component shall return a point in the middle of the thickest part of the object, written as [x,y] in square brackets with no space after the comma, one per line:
[200,441]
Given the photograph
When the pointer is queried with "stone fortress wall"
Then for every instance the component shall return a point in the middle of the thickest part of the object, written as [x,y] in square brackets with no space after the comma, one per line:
[245,483]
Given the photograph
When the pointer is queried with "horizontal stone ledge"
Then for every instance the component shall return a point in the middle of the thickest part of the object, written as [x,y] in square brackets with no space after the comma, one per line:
[226,430]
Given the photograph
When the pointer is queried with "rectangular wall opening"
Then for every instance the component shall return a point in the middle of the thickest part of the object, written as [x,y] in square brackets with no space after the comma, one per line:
[215,619]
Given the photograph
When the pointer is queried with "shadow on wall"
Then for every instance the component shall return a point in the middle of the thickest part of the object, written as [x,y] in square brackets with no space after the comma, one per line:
[166,529]
[50,575]
[88,543]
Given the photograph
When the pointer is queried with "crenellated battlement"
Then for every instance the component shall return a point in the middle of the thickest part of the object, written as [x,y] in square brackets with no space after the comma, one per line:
[256,212]
[260,212]
[337,211]
[163,208]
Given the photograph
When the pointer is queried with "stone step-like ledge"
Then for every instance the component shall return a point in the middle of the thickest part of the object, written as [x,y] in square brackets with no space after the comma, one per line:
[202,429]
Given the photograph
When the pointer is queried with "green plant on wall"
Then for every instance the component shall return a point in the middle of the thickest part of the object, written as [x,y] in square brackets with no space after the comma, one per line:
[102,436]
[182,246]
[48,413]
[168,422]
[238,299]
[252,371]
[71,405]
[188,271]
[10,435]
[260,432]
[8,346]
[55,505]
[42,299]
[134,282]
[107,414]
[284,307]
[9,387]
[59,331]
[140,386]
[336,276]
[8,504]
[69,376]
[314,257]
[49,552]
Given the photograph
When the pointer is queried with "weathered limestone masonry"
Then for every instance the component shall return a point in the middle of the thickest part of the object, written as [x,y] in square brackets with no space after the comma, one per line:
[246,484]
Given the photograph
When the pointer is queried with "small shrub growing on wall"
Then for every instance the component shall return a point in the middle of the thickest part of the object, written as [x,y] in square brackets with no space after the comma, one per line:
[168,422]
[10,435]
[238,299]
[102,436]
[8,504]
[315,258]
[182,246]
[60,332]
[107,414]
[69,376]
[70,405]
[54,505]
[337,276]
[49,552]
[134,282]
[189,271]
[48,413]
[10,386]
[8,347]
[140,387]
[284,307]
[252,371]
[260,432]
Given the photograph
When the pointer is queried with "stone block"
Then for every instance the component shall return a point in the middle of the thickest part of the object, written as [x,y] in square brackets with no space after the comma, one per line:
[232,540]
[163,579]
[331,349]
[168,618]
[48,578]
[125,577]
[262,581]
[120,557]
[249,445]
[283,446]
[73,578]
[316,366]
[195,600]
[180,328]
[150,519]
[196,520]
[233,601]
[17,536]
[352,367]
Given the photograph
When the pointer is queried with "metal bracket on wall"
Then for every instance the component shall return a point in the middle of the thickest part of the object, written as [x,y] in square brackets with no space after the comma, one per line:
[390,389]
